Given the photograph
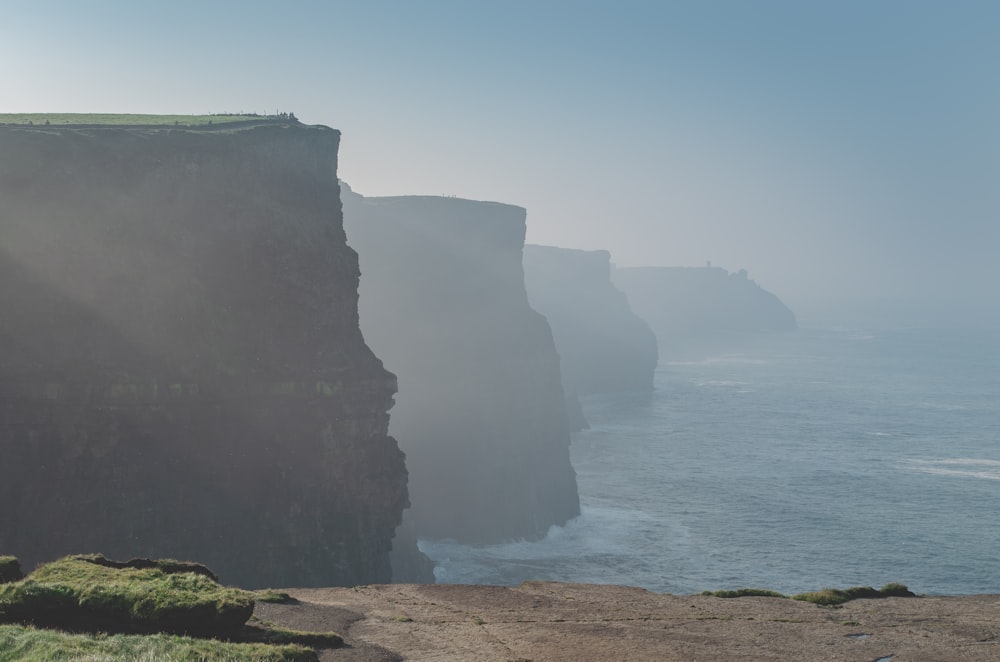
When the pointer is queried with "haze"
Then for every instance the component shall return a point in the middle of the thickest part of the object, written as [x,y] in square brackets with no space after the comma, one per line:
[836,151]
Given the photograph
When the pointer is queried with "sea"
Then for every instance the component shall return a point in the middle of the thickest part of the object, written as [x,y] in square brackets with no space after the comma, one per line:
[832,456]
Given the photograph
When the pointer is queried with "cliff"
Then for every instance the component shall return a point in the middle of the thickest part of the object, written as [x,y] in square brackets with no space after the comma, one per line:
[480,411]
[698,306]
[604,347]
[181,368]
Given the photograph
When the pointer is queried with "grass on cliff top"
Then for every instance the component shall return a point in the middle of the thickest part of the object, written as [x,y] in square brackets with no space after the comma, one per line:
[84,593]
[835,596]
[76,119]
[147,605]
[27,644]
[827,597]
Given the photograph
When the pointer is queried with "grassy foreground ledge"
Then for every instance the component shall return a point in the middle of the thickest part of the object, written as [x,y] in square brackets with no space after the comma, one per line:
[90,593]
[90,607]
[27,644]
[827,597]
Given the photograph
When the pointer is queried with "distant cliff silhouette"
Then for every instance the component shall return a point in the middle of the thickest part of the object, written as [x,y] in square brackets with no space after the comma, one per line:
[480,411]
[603,346]
[181,369]
[696,306]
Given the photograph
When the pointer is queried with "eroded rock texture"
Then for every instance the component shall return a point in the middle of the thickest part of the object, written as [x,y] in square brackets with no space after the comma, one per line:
[181,368]
[480,410]
[603,345]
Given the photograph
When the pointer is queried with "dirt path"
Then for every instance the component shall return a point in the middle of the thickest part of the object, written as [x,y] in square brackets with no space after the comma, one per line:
[541,621]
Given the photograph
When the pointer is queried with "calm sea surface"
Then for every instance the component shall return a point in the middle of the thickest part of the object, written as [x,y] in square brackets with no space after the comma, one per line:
[827,457]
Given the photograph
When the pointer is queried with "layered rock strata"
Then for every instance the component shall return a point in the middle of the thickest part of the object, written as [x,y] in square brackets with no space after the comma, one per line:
[181,369]
[480,411]
[603,345]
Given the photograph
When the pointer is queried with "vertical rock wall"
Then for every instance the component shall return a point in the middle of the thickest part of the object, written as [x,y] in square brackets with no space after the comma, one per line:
[604,347]
[480,410]
[181,368]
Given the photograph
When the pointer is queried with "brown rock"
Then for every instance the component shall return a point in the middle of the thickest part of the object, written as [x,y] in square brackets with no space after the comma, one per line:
[550,621]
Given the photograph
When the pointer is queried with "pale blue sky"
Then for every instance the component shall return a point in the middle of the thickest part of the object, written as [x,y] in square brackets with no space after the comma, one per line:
[830,148]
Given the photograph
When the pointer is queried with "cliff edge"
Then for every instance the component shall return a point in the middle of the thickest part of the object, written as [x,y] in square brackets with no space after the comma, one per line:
[696,307]
[480,411]
[181,368]
[591,623]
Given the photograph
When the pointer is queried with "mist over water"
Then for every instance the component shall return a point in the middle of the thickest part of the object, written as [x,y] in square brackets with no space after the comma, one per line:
[833,456]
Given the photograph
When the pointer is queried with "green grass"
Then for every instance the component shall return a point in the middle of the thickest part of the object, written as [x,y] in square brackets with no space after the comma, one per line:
[270,633]
[834,596]
[27,644]
[147,605]
[745,592]
[827,597]
[78,593]
[72,119]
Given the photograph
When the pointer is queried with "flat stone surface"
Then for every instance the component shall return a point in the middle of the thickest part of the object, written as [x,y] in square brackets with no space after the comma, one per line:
[552,621]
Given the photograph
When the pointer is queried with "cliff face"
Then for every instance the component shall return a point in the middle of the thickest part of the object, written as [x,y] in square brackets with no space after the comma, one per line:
[604,347]
[480,410]
[689,306]
[181,368]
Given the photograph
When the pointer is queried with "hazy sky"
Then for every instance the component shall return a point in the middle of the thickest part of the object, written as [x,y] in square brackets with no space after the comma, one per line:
[828,148]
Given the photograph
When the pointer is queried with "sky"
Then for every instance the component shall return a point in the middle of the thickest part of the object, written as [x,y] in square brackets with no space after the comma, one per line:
[835,150]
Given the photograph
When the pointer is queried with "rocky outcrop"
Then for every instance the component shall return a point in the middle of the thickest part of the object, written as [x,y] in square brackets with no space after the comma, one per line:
[602,345]
[480,410]
[181,369]
[699,306]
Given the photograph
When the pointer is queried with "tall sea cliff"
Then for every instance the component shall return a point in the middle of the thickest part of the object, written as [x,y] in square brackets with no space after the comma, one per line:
[480,410]
[692,309]
[181,368]
[603,345]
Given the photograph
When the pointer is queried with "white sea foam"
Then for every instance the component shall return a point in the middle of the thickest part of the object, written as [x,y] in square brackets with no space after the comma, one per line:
[721,382]
[967,467]
[688,489]
[721,361]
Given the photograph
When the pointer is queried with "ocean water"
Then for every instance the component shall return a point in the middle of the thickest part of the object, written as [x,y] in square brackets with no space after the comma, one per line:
[825,457]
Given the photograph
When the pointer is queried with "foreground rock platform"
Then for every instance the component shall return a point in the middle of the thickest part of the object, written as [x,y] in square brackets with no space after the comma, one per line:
[553,621]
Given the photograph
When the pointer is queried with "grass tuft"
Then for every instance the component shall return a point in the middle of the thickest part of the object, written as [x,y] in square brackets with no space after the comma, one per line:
[830,597]
[269,633]
[27,644]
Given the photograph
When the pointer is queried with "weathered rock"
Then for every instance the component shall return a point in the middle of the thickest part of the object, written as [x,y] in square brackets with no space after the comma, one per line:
[181,369]
[588,623]
[480,410]
[603,346]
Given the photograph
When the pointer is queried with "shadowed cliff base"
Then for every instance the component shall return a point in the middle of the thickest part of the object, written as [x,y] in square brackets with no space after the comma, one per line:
[480,410]
[181,369]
